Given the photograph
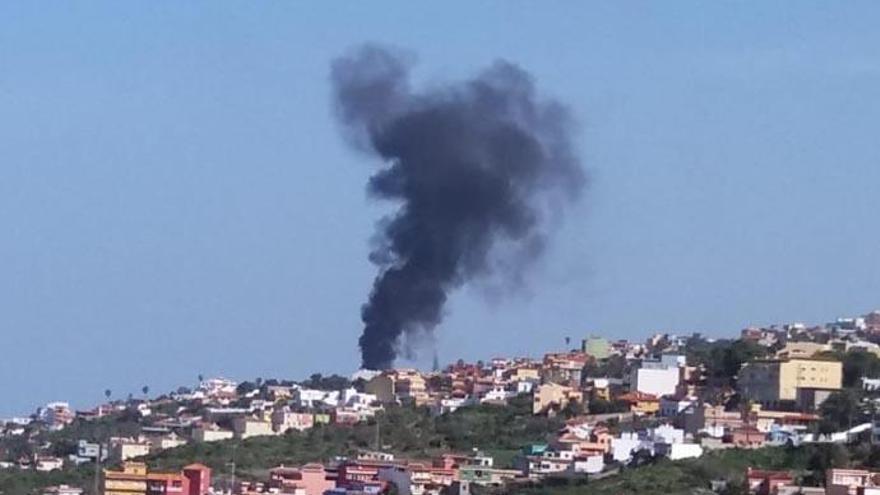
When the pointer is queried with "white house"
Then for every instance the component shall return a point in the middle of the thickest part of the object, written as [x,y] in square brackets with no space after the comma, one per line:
[590,465]
[655,378]
[310,398]
[678,451]
[673,360]
[713,431]
[56,415]
[46,464]
[217,386]
[211,433]
[247,427]
[525,386]
[870,384]
[450,405]
[497,394]
[123,449]
[666,434]
[623,448]
[284,420]
[351,398]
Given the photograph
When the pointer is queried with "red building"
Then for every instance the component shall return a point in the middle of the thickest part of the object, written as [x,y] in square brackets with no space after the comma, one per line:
[199,478]
[767,482]
[167,484]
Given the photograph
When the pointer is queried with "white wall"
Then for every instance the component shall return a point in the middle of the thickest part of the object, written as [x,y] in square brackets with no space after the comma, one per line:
[684,451]
[592,465]
[655,381]
[623,447]
[666,434]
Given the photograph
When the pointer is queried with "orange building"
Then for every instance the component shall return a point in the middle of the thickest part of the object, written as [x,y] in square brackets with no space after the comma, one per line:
[134,479]
[641,403]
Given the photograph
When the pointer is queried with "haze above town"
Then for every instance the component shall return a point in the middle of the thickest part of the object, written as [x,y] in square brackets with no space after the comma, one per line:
[176,198]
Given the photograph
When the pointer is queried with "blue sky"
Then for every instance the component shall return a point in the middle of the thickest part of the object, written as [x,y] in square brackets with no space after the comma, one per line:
[176,199]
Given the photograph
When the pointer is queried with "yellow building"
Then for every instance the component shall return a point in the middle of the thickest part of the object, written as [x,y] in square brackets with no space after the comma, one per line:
[131,480]
[247,427]
[382,386]
[806,382]
[410,385]
[123,449]
[552,394]
[640,403]
[524,373]
[401,384]
[796,350]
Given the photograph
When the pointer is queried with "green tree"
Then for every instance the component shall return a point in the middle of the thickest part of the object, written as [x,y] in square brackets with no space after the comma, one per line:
[723,359]
[824,458]
[602,406]
[858,364]
[332,382]
[613,367]
[840,411]
[572,409]
[245,387]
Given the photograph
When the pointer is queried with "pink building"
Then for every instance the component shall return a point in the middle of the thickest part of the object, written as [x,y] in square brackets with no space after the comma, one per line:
[851,482]
[199,477]
[312,478]
[747,437]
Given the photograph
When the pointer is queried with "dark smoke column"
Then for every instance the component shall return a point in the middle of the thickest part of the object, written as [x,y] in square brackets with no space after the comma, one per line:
[475,168]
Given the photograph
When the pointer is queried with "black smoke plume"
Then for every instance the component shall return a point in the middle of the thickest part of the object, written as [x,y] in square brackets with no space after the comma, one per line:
[475,167]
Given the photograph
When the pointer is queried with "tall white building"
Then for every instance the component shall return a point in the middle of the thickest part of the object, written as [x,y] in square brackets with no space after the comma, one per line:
[657,378]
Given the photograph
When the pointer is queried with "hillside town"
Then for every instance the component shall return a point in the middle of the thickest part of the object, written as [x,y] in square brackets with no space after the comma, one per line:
[614,405]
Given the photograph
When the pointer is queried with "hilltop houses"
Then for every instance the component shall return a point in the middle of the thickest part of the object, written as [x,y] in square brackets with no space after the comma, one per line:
[605,405]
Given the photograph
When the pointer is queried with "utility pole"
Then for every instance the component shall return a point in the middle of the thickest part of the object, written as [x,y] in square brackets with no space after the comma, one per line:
[873,424]
[97,485]
[232,485]
[378,447]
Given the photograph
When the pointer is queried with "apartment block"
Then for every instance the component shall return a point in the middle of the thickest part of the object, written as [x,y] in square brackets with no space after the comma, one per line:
[780,383]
